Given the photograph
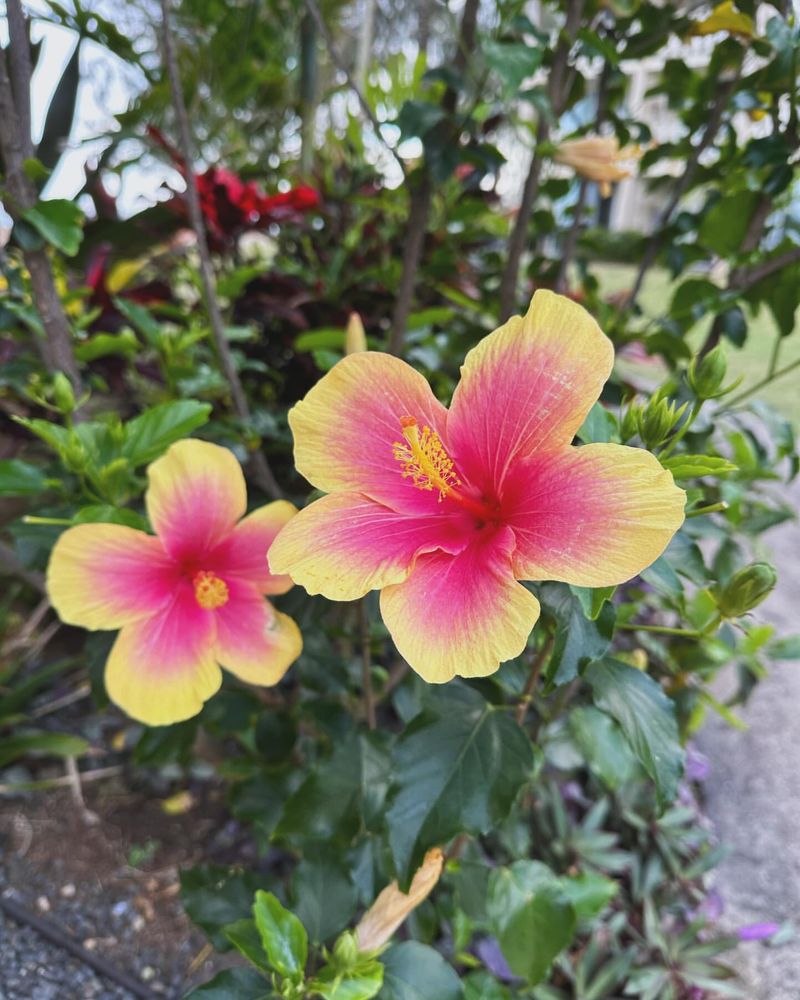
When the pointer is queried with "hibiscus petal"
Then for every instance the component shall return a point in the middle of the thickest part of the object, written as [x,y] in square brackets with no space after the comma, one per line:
[346,427]
[243,554]
[593,516]
[104,576]
[344,545]
[162,669]
[527,387]
[462,614]
[254,641]
[195,496]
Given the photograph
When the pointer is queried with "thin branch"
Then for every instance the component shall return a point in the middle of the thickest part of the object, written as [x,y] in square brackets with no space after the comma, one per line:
[419,210]
[313,8]
[558,92]
[21,72]
[15,146]
[571,242]
[366,664]
[657,240]
[752,275]
[262,472]
[764,381]
[537,665]
[422,194]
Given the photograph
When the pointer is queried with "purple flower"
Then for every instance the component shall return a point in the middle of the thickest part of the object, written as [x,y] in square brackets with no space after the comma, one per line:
[492,957]
[758,932]
[698,767]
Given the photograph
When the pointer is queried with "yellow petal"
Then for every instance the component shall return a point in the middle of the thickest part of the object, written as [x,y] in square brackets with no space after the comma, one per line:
[355,338]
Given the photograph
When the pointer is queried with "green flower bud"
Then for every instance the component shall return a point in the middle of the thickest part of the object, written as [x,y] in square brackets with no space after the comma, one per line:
[657,420]
[747,588]
[629,425]
[63,396]
[345,951]
[706,375]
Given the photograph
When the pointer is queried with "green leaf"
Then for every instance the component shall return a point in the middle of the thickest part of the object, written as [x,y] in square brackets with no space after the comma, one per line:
[244,937]
[694,466]
[329,338]
[234,984]
[152,432]
[216,897]
[787,648]
[360,983]
[531,917]
[413,971]
[20,479]
[41,742]
[283,936]
[578,639]
[647,717]
[725,223]
[342,793]
[513,62]
[589,893]
[458,767]
[103,513]
[324,896]
[141,319]
[600,426]
[103,345]
[604,748]
[59,222]
[417,118]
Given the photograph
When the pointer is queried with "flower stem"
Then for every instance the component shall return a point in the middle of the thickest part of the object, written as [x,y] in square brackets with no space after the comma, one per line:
[764,381]
[664,629]
[537,664]
[712,508]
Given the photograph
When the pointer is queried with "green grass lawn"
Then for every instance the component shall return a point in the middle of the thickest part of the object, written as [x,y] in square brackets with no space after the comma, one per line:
[750,361]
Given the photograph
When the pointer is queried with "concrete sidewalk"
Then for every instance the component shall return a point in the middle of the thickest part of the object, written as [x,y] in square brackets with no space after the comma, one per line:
[754,793]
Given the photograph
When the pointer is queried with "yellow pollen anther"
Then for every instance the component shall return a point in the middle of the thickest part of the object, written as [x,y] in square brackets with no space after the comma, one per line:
[210,592]
[424,459]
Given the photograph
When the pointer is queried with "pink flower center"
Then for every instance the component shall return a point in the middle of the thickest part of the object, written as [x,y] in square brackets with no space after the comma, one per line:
[209,591]
[426,463]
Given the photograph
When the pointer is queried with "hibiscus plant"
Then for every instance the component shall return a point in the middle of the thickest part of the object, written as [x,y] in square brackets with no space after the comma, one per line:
[414,531]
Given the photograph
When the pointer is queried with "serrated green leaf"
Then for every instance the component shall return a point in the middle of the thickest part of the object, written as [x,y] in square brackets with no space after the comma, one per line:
[647,718]
[457,768]
[694,466]
[152,432]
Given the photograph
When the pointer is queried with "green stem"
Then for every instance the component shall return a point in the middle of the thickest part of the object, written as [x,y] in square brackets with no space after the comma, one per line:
[773,358]
[712,508]
[664,629]
[31,519]
[682,430]
[533,677]
[764,381]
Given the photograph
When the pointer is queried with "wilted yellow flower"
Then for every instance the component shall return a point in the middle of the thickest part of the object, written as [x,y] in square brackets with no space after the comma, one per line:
[355,339]
[725,17]
[392,907]
[598,158]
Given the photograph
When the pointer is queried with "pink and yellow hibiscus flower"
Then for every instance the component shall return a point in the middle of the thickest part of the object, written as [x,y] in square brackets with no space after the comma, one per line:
[444,511]
[188,599]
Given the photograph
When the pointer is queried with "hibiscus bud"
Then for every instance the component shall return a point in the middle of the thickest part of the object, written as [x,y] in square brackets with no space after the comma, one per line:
[629,426]
[746,589]
[63,396]
[706,375]
[355,339]
[345,951]
[657,420]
